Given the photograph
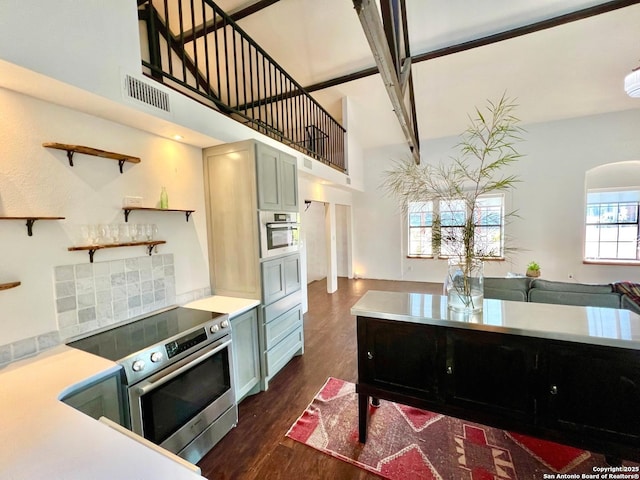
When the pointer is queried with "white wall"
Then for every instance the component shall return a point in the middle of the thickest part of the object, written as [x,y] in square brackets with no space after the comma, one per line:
[343,238]
[39,181]
[315,239]
[83,43]
[549,200]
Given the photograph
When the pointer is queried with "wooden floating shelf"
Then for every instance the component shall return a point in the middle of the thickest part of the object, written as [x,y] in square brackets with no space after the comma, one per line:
[128,210]
[93,248]
[96,152]
[7,286]
[30,221]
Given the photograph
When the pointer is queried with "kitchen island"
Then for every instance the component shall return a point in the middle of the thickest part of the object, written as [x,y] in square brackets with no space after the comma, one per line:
[43,438]
[563,373]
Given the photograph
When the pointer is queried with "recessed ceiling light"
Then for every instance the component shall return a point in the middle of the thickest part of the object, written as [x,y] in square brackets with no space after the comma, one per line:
[178,137]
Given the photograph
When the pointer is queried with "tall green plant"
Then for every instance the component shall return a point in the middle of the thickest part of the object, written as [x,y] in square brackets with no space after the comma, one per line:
[487,146]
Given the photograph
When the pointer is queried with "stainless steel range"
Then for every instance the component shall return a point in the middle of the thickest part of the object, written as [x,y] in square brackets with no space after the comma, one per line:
[179,374]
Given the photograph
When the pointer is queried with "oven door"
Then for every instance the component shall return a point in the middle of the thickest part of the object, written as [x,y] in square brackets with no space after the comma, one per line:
[279,238]
[177,404]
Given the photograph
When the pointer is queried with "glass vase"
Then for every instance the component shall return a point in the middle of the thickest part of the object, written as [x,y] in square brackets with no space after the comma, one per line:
[464,285]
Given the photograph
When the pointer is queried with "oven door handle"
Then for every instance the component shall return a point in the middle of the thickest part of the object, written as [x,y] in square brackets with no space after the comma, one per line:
[289,225]
[216,347]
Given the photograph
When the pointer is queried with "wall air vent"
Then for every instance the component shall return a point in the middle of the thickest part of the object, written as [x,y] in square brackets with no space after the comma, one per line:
[148,94]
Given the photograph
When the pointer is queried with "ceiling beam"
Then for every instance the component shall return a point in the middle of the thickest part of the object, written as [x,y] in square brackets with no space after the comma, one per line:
[375,32]
[211,26]
[482,41]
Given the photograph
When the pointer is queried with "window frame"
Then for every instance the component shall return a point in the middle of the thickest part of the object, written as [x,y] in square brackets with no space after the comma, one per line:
[437,225]
[601,226]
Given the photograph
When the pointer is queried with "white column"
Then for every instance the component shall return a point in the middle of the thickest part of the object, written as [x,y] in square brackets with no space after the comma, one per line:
[332,257]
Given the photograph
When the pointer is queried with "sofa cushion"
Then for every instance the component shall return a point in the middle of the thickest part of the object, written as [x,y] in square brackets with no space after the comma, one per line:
[572,287]
[502,288]
[585,299]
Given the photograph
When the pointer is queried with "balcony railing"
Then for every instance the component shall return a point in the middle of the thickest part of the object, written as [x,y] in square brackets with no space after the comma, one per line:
[196,48]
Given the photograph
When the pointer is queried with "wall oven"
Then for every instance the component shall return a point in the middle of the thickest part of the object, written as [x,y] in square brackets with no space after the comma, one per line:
[178,367]
[279,233]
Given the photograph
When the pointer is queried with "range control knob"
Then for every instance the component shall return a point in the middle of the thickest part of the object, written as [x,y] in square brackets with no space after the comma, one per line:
[137,366]
[156,357]
[214,328]
[224,324]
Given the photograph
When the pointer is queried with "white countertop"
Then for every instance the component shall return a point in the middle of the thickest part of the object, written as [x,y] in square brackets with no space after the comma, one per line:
[233,306]
[43,438]
[593,325]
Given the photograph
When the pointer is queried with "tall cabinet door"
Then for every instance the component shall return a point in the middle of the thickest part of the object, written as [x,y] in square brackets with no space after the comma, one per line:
[269,180]
[244,331]
[289,183]
[273,283]
[232,220]
[292,280]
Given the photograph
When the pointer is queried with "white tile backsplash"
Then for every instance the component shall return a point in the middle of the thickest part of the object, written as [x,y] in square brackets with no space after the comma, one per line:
[96,295]
[103,293]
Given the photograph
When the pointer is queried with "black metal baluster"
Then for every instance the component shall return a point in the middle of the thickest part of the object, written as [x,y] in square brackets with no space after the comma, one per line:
[215,39]
[169,36]
[195,47]
[205,38]
[226,59]
[235,67]
[244,76]
[184,63]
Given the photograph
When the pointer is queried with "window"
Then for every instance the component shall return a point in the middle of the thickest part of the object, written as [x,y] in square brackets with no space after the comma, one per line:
[612,227]
[421,229]
[445,221]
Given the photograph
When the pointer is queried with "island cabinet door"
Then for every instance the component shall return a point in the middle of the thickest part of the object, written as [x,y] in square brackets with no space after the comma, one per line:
[492,375]
[402,357]
[593,391]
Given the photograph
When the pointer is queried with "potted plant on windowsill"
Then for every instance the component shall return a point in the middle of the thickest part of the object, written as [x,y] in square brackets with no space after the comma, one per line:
[485,149]
[533,269]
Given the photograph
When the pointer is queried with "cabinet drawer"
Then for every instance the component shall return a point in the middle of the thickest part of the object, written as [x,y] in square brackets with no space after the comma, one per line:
[279,328]
[283,305]
[279,355]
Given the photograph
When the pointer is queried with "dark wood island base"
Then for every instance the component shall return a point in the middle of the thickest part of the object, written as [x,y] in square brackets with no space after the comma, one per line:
[580,394]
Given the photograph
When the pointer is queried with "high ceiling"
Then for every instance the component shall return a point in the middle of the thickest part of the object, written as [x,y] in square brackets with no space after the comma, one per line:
[572,70]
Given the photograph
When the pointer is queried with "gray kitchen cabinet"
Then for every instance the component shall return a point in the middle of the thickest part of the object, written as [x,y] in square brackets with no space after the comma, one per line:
[273,280]
[292,272]
[242,179]
[277,175]
[102,397]
[283,334]
[280,277]
[246,353]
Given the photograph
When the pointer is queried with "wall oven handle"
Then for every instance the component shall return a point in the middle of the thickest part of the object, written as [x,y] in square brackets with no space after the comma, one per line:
[281,224]
[216,347]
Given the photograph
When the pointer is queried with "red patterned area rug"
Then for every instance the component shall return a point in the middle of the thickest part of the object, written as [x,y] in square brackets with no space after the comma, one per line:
[407,443]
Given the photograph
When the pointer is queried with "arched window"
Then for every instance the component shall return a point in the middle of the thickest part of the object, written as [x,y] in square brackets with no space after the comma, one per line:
[612,221]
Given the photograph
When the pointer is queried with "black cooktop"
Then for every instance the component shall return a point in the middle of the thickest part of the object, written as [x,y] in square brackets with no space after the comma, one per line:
[120,342]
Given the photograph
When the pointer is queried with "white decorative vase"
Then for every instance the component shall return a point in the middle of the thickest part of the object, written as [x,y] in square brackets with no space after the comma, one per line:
[464,285]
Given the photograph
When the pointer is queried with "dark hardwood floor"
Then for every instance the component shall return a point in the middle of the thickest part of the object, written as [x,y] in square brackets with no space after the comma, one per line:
[257,448]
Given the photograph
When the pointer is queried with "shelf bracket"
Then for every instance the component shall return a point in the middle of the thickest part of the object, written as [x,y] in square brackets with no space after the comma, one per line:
[30,222]
[188,214]
[126,214]
[70,157]
[121,163]
[91,252]
[150,248]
